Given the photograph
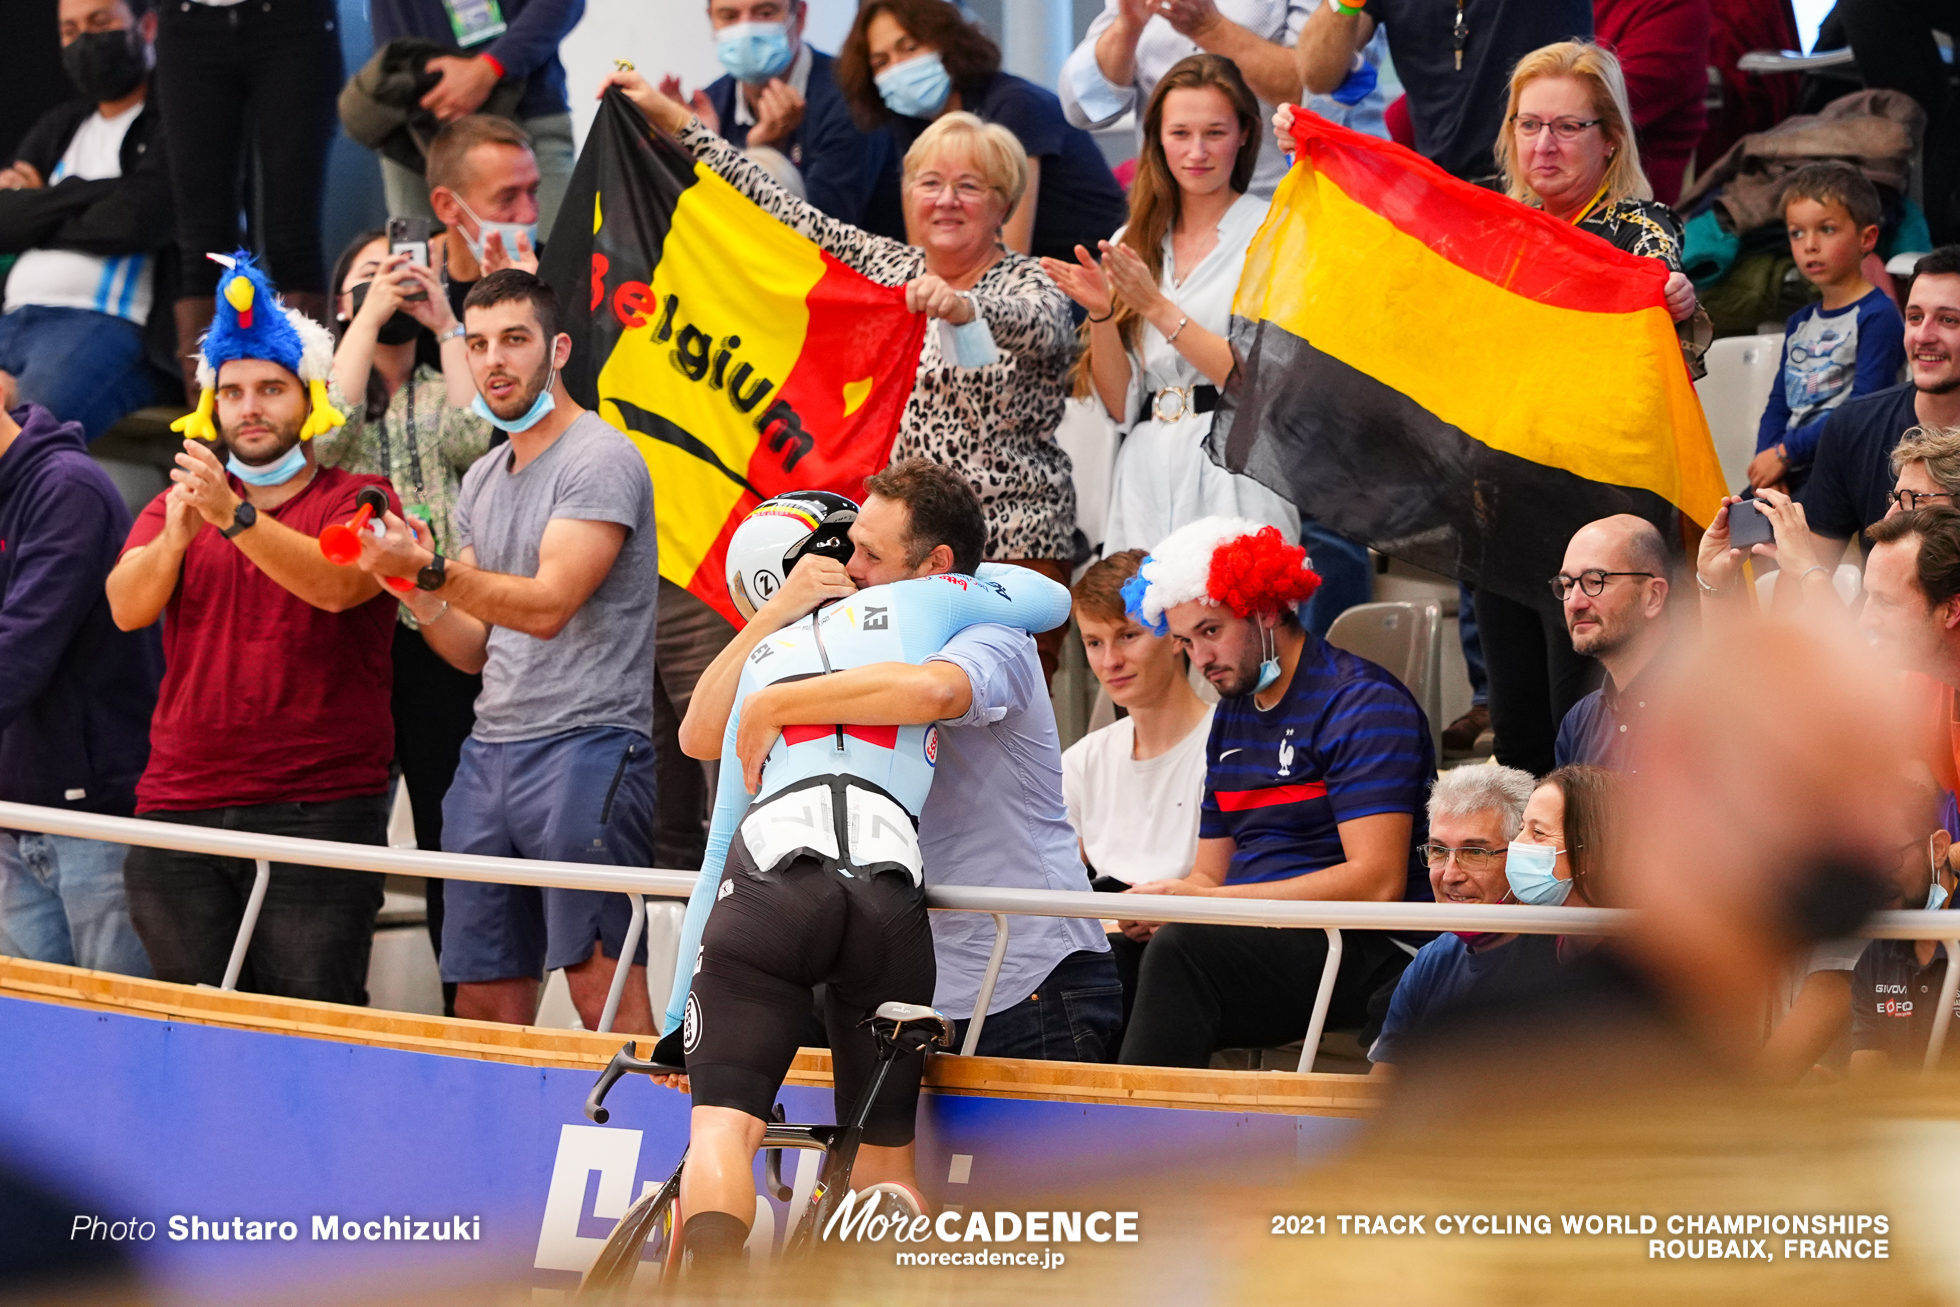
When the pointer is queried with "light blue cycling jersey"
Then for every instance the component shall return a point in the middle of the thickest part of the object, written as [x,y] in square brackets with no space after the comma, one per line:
[904,622]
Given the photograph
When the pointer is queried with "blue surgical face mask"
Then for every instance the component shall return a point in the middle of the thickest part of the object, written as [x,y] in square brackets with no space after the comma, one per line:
[754,52]
[1269,666]
[272,474]
[1528,867]
[510,231]
[916,88]
[533,415]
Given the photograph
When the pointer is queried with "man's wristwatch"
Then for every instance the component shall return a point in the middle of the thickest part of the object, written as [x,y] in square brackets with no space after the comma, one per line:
[243,516]
[432,576]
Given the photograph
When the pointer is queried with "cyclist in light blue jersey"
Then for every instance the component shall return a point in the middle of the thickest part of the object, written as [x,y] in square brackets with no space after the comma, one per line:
[815,876]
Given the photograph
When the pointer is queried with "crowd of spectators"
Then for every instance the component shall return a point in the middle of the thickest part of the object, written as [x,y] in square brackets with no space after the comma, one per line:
[508,648]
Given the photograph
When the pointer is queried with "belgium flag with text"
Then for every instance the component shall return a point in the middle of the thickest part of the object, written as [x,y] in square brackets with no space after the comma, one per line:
[1451,377]
[740,358]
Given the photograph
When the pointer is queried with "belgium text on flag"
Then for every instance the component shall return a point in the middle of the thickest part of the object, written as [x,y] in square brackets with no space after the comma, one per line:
[739,357]
[1453,378]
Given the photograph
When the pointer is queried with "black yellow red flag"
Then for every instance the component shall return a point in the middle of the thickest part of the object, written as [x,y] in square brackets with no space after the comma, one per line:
[1451,377]
[740,358]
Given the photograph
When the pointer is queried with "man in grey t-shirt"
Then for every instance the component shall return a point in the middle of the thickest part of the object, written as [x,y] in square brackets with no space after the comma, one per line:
[552,598]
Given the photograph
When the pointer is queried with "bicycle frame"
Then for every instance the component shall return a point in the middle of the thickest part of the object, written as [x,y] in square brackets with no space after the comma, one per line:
[613,1270]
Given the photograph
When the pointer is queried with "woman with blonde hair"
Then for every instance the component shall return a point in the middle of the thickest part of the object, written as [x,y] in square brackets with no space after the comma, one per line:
[1568,148]
[1159,303]
[989,393]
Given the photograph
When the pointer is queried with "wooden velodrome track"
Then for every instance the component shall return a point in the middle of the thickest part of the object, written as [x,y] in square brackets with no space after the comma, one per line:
[1279,1092]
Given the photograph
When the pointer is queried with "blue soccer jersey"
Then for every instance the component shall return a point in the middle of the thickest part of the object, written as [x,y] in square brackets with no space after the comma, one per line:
[1347,741]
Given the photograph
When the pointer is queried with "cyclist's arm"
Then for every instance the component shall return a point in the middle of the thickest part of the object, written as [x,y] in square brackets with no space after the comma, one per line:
[731,801]
[814,580]
[877,694]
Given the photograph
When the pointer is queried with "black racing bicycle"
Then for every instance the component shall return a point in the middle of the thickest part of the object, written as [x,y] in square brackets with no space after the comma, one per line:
[899,1029]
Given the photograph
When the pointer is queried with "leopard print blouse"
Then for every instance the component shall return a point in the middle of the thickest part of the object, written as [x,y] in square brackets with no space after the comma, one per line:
[995,424]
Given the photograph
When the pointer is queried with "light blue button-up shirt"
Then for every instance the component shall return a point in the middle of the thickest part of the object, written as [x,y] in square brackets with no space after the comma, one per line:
[996,817]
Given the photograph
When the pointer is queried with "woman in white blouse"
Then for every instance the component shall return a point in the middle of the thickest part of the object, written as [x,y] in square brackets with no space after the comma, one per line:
[1159,303]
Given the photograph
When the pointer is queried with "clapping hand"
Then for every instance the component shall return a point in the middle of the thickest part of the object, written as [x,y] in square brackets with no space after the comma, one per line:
[495,256]
[704,108]
[1193,19]
[200,483]
[1082,281]
[1130,278]
[778,112]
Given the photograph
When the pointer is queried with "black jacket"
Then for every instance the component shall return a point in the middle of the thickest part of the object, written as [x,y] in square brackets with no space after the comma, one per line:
[130,214]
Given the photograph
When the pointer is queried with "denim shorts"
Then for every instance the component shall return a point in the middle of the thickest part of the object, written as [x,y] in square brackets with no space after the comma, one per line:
[584,796]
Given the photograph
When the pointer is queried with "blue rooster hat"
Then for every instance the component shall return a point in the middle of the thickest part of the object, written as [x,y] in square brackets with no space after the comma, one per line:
[252,322]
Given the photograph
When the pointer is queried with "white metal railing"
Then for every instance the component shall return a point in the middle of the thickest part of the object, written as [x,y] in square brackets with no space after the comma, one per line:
[1330,916]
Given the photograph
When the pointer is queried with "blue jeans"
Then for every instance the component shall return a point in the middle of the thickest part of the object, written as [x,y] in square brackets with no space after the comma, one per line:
[1073,1017]
[61,900]
[80,365]
[1347,576]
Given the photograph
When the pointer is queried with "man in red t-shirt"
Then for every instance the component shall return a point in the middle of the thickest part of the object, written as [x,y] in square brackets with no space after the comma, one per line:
[274,712]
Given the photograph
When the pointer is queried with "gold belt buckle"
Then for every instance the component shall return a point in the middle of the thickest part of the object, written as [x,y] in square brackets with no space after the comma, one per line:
[1158,409]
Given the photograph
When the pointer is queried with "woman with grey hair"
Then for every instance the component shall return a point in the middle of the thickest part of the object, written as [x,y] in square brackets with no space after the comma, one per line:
[1475,813]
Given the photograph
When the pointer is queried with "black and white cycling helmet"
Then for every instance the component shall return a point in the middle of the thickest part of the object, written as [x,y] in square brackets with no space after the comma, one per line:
[778,532]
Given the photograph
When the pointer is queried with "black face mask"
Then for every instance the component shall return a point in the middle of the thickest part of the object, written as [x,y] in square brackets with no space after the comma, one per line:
[397,330]
[106,65]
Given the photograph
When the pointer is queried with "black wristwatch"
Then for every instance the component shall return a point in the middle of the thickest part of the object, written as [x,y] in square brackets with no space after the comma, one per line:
[432,576]
[243,516]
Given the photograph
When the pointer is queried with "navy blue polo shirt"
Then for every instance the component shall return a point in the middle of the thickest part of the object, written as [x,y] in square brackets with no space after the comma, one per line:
[1445,973]
[1347,740]
[1599,728]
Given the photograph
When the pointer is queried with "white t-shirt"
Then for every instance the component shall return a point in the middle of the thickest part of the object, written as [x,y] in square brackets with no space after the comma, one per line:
[119,285]
[1138,820]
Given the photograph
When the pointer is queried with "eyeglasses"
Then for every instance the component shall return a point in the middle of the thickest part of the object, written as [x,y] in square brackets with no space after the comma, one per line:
[965,190]
[1909,500]
[1470,859]
[1592,581]
[1566,129]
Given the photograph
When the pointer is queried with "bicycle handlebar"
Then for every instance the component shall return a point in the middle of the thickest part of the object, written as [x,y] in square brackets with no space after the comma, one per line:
[622,1063]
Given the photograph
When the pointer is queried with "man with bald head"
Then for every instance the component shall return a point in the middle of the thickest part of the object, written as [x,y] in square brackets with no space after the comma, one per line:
[1614,588]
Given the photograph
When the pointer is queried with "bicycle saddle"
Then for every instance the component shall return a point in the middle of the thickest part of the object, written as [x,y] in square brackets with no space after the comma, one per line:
[904,1014]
